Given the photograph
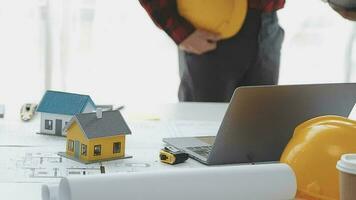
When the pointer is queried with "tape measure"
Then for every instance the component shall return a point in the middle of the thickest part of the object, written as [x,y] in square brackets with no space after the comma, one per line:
[172,156]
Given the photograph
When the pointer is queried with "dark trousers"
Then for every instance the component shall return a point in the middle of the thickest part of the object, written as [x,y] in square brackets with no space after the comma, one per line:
[251,57]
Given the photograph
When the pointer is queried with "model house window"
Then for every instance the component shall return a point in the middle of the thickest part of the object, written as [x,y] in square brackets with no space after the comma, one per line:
[117,147]
[49,124]
[84,149]
[97,150]
[70,145]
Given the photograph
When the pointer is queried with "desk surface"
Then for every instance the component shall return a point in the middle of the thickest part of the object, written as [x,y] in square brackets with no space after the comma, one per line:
[149,124]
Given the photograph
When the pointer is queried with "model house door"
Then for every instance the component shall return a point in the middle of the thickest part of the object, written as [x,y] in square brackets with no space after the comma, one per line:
[76,149]
[58,127]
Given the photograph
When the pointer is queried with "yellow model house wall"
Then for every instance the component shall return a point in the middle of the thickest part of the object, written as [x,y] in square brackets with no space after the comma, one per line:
[107,147]
[75,133]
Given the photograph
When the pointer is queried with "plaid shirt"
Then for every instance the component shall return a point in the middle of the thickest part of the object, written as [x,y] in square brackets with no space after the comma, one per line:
[165,15]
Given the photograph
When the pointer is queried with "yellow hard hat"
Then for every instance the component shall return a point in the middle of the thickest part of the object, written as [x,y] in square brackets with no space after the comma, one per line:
[313,152]
[224,17]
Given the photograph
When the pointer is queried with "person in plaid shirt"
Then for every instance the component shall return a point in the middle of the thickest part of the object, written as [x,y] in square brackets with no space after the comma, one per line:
[212,68]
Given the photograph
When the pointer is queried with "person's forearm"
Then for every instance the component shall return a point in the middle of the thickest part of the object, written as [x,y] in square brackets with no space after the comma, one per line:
[164,14]
[345,12]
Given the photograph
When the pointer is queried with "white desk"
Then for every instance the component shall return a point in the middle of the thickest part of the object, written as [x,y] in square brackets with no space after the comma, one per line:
[144,144]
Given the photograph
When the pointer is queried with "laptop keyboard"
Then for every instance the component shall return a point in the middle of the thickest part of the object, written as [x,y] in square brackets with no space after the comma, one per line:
[202,150]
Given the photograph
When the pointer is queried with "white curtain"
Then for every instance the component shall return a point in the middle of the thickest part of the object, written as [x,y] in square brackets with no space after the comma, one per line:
[111,50]
[133,60]
[21,67]
[62,38]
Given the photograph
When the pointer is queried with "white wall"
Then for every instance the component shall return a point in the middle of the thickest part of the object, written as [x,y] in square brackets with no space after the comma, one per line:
[53,117]
[314,50]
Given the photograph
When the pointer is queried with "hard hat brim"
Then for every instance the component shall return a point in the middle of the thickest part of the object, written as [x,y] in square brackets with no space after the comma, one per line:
[194,12]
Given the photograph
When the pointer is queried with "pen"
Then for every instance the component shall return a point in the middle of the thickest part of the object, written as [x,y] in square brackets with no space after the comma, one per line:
[120,107]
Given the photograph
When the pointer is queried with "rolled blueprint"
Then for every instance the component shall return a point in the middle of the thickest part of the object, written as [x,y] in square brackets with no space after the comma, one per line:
[253,182]
[50,192]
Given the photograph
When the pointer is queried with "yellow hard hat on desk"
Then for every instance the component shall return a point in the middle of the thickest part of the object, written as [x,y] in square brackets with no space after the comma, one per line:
[313,152]
[224,17]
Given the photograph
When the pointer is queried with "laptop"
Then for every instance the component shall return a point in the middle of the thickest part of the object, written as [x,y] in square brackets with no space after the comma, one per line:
[260,121]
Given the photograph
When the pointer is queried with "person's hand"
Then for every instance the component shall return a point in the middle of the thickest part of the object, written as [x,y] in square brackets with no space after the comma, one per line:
[347,14]
[200,42]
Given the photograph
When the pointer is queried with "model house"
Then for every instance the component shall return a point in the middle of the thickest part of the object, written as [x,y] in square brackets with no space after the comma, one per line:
[94,137]
[57,108]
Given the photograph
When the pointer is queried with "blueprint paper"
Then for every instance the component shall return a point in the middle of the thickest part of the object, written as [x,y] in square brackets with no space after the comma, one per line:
[268,182]
[186,128]
[44,165]
[28,157]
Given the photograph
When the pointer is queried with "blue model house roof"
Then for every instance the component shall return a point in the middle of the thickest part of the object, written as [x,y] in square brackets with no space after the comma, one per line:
[64,103]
